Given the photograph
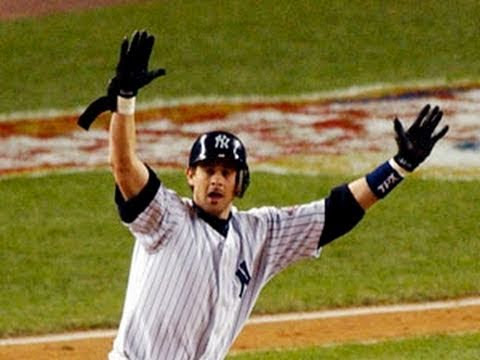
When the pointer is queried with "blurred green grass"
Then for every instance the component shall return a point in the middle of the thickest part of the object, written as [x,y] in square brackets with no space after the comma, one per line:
[65,256]
[214,47]
[441,347]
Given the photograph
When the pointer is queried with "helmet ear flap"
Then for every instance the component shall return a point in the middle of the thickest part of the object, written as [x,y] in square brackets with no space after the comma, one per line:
[243,180]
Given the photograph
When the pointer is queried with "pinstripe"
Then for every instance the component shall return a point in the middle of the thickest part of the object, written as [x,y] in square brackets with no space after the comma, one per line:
[167,291]
[286,246]
[175,300]
[133,326]
[288,255]
[188,311]
[150,272]
[141,310]
[147,293]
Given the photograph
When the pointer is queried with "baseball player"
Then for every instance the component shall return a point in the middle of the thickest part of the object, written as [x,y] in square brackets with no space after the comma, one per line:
[199,264]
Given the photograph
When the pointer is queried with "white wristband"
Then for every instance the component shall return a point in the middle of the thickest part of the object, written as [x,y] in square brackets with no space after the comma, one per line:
[401,171]
[125,106]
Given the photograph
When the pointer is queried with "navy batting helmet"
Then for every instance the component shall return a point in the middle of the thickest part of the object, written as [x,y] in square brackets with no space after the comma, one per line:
[222,145]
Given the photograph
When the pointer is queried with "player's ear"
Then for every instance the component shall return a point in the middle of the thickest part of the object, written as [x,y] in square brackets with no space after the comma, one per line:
[190,172]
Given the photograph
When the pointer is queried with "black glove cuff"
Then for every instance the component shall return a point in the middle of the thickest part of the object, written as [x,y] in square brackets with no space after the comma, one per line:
[115,89]
[408,165]
[127,94]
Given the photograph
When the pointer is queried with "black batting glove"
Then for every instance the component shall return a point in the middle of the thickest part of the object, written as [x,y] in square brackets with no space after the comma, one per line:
[132,70]
[131,75]
[415,144]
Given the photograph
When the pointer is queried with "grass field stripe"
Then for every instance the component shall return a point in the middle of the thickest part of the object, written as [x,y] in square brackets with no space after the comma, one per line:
[318,315]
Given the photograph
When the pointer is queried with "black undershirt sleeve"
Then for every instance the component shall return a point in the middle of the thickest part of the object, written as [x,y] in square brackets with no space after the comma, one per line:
[342,213]
[129,210]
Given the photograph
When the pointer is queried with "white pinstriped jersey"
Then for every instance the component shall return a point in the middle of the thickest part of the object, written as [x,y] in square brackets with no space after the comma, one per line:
[191,290]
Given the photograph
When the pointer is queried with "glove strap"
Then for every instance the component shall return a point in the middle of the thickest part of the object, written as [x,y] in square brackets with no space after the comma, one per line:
[93,110]
[385,178]
[125,106]
[398,168]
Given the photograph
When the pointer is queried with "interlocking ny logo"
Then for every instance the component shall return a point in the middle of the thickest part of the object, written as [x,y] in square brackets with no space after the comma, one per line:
[221,141]
[244,276]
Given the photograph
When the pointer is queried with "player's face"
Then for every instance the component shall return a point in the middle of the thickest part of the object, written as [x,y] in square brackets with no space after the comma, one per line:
[213,187]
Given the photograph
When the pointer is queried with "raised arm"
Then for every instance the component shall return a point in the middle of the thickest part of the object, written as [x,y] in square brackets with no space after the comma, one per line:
[132,73]
[346,204]
[130,174]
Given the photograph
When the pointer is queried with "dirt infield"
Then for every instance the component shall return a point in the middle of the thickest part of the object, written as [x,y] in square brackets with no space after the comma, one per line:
[11,10]
[288,334]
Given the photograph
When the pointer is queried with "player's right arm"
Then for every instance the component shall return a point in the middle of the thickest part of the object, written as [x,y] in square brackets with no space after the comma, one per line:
[130,173]
[132,73]
[152,212]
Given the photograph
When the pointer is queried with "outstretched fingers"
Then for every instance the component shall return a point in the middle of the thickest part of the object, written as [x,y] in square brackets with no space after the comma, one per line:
[418,122]
[152,75]
[146,49]
[156,73]
[440,134]
[433,121]
[135,41]
[430,123]
[134,60]
[401,137]
[123,53]
[430,116]
[135,49]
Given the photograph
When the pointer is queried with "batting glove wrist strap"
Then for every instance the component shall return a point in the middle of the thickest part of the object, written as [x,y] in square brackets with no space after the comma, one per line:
[384,179]
[398,168]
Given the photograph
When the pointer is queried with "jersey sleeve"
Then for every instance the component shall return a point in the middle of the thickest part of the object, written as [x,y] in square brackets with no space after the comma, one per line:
[292,234]
[154,215]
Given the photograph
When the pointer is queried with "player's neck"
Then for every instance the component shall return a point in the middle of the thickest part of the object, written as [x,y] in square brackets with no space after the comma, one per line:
[220,225]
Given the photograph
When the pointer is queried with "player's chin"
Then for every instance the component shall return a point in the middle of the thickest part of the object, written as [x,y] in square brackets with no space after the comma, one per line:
[217,205]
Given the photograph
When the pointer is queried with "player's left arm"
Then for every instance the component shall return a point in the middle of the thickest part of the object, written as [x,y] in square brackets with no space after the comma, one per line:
[347,204]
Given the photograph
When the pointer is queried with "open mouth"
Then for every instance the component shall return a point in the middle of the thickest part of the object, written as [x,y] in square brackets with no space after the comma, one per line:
[215,195]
